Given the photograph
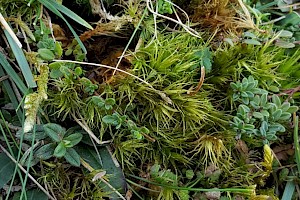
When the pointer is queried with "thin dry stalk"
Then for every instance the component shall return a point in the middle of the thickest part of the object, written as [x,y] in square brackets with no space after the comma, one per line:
[245,20]
[106,66]
[201,81]
[187,28]
[100,176]
[25,171]
[160,93]
[88,130]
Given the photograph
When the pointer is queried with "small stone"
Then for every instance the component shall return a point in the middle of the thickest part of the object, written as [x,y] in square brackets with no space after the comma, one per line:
[213,195]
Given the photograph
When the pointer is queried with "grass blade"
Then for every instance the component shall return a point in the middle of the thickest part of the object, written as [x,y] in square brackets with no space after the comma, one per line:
[12,152]
[13,75]
[69,13]
[11,94]
[22,61]
[296,142]
[247,191]
[288,190]
[53,9]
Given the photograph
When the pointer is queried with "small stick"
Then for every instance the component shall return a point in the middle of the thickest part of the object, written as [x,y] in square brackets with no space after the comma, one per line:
[15,89]
[10,126]
[88,130]
[161,94]
[101,174]
[187,28]
[200,82]
[25,171]
[2,78]
[148,137]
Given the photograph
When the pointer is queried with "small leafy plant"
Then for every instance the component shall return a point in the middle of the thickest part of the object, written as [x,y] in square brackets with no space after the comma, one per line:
[168,178]
[60,145]
[118,121]
[259,114]
[164,7]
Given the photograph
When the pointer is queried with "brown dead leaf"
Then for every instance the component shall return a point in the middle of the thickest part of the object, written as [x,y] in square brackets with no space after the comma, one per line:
[59,33]
[283,152]
[112,60]
[128,195]
[242,147]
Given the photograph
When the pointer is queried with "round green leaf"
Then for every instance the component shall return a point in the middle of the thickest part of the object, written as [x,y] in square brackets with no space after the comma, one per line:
[276,100]
[284,44]
[74,139]
[54,131]
[265,113]
[252,41]
[277,114]
[60,150]
[68,52]
[78,71]
[111,119]
[189,174]
[285,116]
[273,88]
[46,54]
[258,115]
[285,107]
[58,49]
[292,109]
[45,152]
[285,33]
[56,73]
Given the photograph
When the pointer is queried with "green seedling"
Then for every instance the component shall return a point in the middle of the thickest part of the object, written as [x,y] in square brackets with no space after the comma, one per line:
[60,143]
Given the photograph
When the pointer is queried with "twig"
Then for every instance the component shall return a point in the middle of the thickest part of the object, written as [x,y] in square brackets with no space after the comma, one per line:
[148,137]
[10,31]
[25,39]
[94,145]
[17,93]
[50,25]
[289,92]
[273,21]
[106,66]
[160,93]
[186,15]
[88,130]
[187,28]
[91,169]
[131,38]
[2,78]
[111,187]
[10,126]
[29,175]
[200,82]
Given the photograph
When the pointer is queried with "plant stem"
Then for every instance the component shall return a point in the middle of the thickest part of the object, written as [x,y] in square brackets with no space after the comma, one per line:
[25,171]
[248,191]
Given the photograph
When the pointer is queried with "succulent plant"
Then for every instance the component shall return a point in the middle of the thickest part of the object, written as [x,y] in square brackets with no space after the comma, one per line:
[258,114]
